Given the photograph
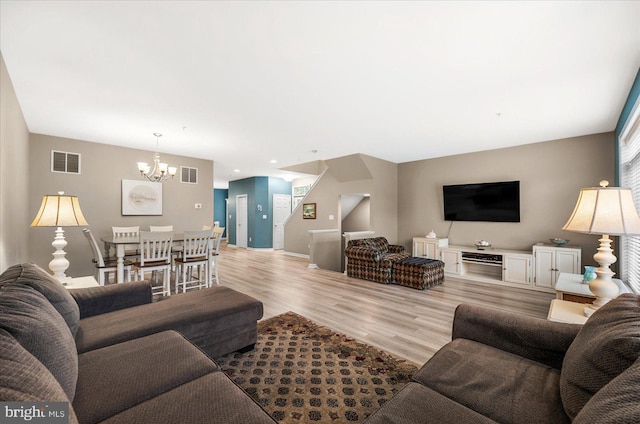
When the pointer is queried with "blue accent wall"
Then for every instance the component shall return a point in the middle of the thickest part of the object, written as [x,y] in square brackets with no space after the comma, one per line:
[259,191]
[220,207]
[631,100]
[634,93]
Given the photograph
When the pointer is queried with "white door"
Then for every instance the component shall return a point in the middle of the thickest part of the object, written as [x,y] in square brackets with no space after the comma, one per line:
[281,211]
[241,220]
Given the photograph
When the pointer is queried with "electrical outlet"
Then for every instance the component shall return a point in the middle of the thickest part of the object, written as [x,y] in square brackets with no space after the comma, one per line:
[249,238]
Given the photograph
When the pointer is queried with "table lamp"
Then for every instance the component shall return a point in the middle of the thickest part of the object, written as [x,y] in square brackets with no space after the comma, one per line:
[59,211]
[607,211]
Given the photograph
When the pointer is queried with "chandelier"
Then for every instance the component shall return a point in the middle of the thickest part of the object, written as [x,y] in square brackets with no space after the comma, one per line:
[161,171]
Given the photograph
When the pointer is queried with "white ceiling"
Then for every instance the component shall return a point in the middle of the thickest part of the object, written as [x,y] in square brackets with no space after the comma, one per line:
[255,81]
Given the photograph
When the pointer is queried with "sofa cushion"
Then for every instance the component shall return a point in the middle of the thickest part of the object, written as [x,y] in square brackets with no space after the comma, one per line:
[415,403]
[24,379]
[499,385]
[607,344]
[213,398]
[29,317]
[378,243]
[133,372]
[34,276]
[617,402]
[102,299]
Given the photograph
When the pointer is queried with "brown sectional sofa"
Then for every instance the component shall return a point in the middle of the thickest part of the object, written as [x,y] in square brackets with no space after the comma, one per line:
[499,367]
[505,368]
[114,355]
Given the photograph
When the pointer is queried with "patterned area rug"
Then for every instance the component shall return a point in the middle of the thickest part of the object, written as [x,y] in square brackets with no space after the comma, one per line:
[302,372]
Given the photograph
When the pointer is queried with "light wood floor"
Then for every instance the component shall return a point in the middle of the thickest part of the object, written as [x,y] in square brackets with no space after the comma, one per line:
[409,323]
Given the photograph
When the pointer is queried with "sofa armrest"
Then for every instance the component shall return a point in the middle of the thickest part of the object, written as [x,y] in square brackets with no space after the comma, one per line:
[100,300]
[366,253]
[533,338]
[396,248]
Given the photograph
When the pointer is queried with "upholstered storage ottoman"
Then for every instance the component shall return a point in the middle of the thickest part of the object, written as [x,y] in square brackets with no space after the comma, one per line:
[418,273]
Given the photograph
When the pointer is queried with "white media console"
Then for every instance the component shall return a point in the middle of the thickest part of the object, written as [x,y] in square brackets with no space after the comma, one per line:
[537,269]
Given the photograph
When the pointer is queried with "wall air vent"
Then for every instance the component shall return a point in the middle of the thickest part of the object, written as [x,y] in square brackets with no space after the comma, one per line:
[65,162]
[188,175]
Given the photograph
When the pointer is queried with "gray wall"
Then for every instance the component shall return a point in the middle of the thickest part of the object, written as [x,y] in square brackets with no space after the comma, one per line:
[347,175]
[14,176]
[551,175]
[358,219]
[98,188]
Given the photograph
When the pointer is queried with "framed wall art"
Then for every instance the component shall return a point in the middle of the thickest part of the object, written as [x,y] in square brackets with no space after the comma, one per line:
[309,211]
[141,198]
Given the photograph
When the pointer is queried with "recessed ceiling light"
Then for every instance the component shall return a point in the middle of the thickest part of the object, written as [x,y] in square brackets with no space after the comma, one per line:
[273,161]
[236,170]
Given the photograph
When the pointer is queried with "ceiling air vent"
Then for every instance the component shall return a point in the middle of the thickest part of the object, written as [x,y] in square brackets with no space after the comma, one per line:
[65,162]
[188,175]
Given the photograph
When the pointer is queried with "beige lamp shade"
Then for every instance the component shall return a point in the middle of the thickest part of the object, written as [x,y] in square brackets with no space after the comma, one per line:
[604,210]
[59,210]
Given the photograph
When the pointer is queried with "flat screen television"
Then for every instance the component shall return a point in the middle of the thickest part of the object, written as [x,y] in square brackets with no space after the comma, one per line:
[491,202]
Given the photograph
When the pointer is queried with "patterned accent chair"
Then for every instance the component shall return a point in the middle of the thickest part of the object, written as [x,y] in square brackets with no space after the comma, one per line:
[372,258]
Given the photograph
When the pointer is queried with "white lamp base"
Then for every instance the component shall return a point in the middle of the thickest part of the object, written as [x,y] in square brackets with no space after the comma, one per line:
[603,287]
[59,263]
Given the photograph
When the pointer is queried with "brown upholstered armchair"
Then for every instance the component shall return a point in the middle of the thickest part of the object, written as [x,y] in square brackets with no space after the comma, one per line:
[372,258]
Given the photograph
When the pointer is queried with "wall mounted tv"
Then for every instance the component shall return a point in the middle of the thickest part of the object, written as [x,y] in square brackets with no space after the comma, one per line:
[492,202]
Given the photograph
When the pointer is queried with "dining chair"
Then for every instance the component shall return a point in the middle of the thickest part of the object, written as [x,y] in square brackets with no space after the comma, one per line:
[104,267]
[216,238]
[175,249]
[155,256]
[158,228]
[195,257]
[127,232]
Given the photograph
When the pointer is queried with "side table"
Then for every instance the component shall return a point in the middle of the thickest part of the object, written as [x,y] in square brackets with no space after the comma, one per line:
[570,287]
[565,311]
[81,283]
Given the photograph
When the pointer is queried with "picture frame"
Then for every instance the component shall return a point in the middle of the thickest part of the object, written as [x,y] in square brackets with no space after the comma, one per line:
[308,211]
[141,197]
[301,190]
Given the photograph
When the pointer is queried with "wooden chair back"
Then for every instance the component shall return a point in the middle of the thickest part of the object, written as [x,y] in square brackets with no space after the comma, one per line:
[126,231]
[97,253]
[196,244]
[159,228]
[155,247]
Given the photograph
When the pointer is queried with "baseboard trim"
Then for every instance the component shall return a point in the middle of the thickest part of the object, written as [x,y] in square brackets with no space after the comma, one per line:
[297,255]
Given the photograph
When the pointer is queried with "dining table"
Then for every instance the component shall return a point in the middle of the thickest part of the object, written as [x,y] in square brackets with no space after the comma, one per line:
[123,243]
